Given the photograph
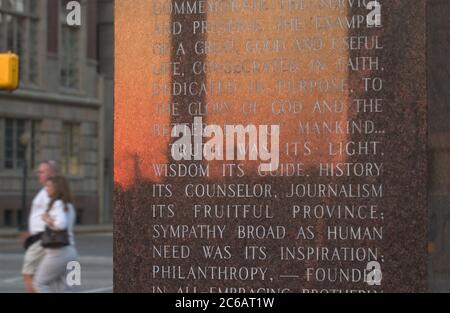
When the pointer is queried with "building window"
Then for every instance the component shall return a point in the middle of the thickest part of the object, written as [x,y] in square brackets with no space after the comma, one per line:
[19,34]
[70,144]
[8,218]
[70,52]
[20,141]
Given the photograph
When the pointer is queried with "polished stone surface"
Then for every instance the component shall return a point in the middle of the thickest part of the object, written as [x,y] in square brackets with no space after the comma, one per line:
[403,204]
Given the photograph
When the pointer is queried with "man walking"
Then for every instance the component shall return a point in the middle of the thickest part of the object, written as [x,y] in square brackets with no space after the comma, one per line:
[34,251]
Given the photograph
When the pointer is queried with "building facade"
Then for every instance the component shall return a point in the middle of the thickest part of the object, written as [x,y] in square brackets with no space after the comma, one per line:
[63,108]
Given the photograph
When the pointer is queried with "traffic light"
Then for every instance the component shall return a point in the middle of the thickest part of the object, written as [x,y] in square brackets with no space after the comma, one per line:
[9,71]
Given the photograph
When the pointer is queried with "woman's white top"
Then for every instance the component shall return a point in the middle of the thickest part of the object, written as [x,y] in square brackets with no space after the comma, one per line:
[63,219]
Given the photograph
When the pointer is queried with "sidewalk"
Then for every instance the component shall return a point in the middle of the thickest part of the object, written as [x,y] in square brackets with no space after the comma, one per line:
[79,229]
[95,255]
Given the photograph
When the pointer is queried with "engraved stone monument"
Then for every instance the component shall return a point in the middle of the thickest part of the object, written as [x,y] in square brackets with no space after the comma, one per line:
[270,146]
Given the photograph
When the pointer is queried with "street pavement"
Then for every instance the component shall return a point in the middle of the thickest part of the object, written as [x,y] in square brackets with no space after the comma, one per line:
[95,257]
[96,252]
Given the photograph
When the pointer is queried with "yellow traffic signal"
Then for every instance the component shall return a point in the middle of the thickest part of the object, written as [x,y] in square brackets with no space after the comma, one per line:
[9,71]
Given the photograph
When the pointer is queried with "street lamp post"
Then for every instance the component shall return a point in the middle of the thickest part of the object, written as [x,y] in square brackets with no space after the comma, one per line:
[24,140]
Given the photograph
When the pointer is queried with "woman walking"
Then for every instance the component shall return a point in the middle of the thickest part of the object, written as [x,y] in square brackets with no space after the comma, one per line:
[58,238]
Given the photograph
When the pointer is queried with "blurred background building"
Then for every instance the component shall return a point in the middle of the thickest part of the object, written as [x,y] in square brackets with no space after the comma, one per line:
[63,109]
